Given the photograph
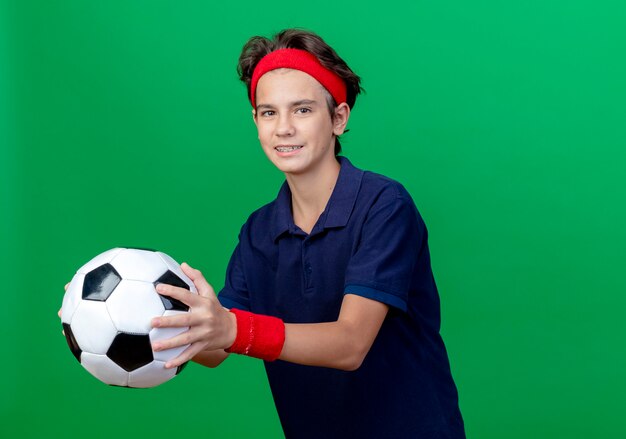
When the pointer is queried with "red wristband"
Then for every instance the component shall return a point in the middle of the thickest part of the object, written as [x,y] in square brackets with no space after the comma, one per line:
[258,335]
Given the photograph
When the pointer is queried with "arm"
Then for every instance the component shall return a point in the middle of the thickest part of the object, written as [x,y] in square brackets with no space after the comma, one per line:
[342,344]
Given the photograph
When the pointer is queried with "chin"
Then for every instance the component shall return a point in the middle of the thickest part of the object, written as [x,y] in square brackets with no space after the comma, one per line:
[294,170]
[289,166]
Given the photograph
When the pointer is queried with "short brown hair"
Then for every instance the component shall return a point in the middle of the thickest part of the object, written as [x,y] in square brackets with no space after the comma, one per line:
[257,47]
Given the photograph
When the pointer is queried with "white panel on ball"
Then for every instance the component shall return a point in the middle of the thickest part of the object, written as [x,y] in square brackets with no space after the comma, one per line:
[72,298]
[158,334]
[136,264]
[150,375]
[104,369]
[92,327]
[132,306]
[101,259]
[174,267]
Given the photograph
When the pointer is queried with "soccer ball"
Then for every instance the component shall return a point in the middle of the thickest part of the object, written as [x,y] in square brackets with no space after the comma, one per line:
[107,311]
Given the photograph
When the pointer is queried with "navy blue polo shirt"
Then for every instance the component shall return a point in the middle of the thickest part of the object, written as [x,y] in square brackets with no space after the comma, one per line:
[369,241]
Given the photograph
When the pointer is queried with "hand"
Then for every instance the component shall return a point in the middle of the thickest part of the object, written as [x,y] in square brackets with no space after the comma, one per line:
[211,326]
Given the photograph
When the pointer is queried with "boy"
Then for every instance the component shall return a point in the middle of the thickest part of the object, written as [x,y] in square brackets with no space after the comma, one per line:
[331,282]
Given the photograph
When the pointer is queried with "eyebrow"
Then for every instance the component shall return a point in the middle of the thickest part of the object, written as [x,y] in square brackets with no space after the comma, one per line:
[293,104]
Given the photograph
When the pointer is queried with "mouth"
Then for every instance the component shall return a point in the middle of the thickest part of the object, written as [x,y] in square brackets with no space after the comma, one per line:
[287,148]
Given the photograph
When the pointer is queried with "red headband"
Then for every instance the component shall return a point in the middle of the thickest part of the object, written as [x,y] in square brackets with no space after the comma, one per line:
[299,60]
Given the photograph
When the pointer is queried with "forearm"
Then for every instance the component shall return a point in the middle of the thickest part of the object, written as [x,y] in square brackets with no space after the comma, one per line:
[335,344]
[319,344]
[340,345]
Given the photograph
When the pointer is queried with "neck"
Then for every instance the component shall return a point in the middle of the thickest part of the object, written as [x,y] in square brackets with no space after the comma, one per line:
[310,192]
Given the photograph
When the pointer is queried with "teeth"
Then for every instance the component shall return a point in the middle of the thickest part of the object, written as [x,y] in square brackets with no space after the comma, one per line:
[287,148]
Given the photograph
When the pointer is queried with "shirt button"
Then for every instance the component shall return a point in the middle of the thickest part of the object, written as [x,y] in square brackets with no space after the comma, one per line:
[308,268]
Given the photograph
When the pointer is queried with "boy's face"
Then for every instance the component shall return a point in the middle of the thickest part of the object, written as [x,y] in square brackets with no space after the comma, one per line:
[295,128]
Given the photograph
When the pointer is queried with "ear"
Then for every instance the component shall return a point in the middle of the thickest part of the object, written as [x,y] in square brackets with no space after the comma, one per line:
[340,120]
[254,116]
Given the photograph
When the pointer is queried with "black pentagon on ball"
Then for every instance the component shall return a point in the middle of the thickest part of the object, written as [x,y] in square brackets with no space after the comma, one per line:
[169,303]
[71,341]
[180,368]
[130,351]
[100,283]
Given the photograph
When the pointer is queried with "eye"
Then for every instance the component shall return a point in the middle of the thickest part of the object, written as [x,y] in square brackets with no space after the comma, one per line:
[303,110]
[267,113]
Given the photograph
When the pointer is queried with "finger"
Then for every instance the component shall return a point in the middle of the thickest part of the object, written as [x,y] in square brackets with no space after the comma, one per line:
[66,286]
[204,288]
[59,313]
[177,293]
[185,338]
[177,321]
[185,356]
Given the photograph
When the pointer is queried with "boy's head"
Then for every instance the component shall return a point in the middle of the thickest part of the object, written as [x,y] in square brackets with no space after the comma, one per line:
[338,80]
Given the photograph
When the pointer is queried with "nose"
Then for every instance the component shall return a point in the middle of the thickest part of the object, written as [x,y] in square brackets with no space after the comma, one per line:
[285,127]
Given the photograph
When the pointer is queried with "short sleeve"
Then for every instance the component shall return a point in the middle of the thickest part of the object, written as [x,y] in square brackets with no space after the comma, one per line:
[235,291]
[384,262]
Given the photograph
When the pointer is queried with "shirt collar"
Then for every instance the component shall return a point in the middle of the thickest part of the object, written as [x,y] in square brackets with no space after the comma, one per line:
[338,209]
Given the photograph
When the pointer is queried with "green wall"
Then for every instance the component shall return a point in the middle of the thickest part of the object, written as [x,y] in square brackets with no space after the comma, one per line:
[123,123]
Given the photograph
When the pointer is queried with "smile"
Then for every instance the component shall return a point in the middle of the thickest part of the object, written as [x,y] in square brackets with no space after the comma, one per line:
[287,148]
